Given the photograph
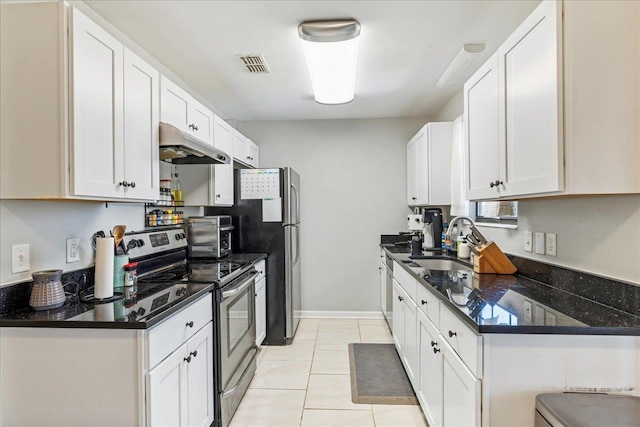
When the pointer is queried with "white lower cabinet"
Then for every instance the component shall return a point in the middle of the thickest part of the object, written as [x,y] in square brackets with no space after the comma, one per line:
[398,317]
[429,388]
[261,302]
[162,376]
[460,391]
[181,386]
[410,352]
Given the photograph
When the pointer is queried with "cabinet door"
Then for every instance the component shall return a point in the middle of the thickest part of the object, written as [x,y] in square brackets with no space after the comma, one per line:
[240,147]
[222,185]
[412,190]
[461,391]
[410,355]
[530,114]
[383,285]
[429,388]
[167,403]
[254,154]
[200,378]
[398,317]
[97,105]
[174,104]
[482,131]
[422,167]
[141,107]
[261,311]
[222,135]
[200,121]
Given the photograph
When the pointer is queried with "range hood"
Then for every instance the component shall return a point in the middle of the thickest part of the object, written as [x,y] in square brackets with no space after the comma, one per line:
[180,148]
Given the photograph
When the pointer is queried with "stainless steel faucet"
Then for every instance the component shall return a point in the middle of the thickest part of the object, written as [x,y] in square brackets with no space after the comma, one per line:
[454,220]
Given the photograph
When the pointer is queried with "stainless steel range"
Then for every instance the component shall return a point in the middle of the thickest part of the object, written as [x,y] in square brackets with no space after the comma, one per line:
[163,265]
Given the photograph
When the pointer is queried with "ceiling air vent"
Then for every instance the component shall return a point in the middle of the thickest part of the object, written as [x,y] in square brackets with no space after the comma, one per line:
[255,64]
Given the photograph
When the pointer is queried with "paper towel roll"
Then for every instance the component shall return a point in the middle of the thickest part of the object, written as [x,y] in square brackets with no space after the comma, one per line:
[103,282]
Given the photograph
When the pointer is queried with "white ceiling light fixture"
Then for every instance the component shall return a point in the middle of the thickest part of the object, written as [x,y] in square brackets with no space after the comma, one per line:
[459,65]
[331,51]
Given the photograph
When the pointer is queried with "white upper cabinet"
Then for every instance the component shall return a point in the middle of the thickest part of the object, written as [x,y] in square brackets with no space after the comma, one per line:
[245,151]
[481,133]
[95,105]
[141,116]
[97,109]
[429,165]
[222,135]
[530,97]
[566,100]
[182,111]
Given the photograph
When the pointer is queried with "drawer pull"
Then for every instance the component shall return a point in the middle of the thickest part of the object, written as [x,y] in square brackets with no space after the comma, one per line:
[433,343]
[424,302]
[400,298]
[190,324]
[188,359]
[452,334]
[435,350]
[193,353]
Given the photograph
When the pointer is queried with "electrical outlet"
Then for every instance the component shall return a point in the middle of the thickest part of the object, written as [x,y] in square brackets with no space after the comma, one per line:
[528,241]
[73,250]
[20,258]
[552,249]
[539,243]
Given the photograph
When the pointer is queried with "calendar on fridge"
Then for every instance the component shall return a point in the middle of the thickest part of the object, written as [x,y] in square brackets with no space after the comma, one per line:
[259,183]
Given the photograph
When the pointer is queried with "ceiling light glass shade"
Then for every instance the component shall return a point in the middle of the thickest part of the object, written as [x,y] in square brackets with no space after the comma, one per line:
[331,51]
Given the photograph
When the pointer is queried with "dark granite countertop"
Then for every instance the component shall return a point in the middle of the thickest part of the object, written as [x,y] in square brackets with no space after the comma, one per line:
[517,304]
[169,298]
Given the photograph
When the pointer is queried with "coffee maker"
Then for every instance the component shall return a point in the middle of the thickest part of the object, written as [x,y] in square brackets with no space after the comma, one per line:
[426,226]
[433,225]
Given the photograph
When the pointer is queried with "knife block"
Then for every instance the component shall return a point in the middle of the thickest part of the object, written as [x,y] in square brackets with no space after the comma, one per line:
[491,259]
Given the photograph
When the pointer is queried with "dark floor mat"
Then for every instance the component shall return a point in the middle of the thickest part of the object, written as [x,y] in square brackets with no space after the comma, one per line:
[378,377]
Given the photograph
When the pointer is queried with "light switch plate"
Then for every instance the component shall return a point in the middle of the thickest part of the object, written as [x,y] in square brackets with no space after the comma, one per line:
[528,241]
[552,249]
[539,242]
[20,258]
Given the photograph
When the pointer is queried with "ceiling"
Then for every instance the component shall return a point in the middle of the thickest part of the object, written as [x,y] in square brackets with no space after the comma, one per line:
[405,46]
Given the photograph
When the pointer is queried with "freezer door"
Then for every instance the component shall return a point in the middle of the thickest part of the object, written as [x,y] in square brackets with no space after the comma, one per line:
[291,194]
[293,294]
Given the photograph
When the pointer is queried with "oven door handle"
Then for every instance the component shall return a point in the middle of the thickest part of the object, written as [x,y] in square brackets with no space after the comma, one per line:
[227,228]
[241,287]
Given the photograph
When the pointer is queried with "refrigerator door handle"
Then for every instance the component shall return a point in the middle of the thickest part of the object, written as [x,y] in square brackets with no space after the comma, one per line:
[295,190]
[297,246]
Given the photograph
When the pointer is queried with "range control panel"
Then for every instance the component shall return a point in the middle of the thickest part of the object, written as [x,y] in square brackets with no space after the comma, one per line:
[154,242]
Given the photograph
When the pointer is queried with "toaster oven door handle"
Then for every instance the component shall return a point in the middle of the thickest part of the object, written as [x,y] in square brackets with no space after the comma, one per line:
[226,228]
[241,287]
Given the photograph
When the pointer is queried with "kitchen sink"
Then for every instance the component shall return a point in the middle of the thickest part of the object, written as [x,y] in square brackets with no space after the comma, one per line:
[441,264]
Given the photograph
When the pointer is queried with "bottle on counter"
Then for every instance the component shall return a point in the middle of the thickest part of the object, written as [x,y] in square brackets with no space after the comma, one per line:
[451,241]
[443,238]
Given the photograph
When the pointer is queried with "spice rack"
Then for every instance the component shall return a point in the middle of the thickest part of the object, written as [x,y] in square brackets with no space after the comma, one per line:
[161,215]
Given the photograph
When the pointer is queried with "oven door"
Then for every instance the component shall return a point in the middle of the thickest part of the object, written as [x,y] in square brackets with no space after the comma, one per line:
[237,325]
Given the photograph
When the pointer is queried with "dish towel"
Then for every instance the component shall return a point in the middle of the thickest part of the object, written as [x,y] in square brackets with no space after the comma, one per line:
[459,203]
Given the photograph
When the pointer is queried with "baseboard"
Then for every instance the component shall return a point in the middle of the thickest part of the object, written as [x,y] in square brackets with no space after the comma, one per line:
[306,314]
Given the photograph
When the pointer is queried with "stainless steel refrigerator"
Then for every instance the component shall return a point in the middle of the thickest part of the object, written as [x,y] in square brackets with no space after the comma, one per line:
[278,236]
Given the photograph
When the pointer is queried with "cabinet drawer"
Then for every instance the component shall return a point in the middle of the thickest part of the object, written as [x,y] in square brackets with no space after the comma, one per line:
[172,332]
[261,268]
[405,279]
[428,303]
[464,341]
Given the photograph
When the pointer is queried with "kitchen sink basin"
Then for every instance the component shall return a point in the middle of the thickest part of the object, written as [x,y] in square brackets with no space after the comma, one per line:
[441,264]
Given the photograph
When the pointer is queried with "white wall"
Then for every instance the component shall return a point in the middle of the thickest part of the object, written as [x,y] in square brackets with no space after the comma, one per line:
[599,235]
[45,226]
[353,183]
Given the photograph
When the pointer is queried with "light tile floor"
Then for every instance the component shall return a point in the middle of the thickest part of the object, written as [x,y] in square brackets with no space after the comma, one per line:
[307,383]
